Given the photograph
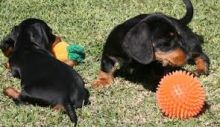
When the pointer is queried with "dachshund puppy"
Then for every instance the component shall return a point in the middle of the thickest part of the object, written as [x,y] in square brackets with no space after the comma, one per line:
[7,44]
[152,37]
[44,79]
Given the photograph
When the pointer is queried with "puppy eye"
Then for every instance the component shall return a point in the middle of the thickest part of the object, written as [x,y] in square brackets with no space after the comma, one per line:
[167,44]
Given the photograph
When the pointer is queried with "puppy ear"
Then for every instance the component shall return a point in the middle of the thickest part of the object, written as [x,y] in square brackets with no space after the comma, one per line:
[137,43]
[14,33]
[41,36]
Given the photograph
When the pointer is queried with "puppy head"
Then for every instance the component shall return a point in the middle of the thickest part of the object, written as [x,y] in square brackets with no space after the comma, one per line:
[7,44]
[155,38]
[35,32]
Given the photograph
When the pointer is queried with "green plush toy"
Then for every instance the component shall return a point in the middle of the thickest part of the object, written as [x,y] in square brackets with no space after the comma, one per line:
[76,53]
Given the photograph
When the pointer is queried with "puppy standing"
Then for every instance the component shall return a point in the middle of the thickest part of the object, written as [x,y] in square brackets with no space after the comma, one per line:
[44,80]
[152,37]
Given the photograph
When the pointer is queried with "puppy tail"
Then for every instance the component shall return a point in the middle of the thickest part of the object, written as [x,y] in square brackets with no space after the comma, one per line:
[189,12]
[70,110]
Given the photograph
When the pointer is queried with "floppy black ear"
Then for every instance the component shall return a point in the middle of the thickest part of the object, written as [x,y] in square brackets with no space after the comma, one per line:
[14,33]
[38,36]
[137,43]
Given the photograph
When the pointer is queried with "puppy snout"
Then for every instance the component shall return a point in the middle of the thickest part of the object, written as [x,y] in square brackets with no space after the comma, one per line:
[179,57]
[175,57]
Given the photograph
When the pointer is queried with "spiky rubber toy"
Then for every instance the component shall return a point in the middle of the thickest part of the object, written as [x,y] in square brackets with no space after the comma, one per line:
[180,95]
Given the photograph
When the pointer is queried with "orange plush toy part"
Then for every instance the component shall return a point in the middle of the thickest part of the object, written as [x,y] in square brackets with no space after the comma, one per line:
[70,54]
[60,51]
[180,95]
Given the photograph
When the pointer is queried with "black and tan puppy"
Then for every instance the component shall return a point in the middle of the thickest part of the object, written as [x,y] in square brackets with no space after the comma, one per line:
[7,44]
[44,79]
[152,37]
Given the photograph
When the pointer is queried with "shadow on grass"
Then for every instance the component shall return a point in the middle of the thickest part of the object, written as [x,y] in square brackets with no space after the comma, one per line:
[147,75]
[205,107]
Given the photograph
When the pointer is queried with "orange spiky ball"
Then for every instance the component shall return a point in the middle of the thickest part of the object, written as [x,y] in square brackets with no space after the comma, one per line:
[180,95]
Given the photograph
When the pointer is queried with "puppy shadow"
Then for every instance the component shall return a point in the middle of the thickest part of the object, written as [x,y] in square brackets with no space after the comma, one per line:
[31,101]
[148,76]
[205,107]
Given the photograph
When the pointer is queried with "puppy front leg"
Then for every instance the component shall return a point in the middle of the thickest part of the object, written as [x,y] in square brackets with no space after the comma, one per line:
[105,75]
[15,72]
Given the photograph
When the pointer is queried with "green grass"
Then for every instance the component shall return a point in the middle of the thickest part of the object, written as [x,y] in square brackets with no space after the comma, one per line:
[88,23]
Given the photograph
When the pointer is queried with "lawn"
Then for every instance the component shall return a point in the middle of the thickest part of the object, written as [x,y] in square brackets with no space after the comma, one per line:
[88,23]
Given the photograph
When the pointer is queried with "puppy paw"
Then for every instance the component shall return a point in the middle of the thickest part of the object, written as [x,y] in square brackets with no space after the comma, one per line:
[201,72]
[103,80]
[58,108]
[11,92]
[201,67]
[101,83]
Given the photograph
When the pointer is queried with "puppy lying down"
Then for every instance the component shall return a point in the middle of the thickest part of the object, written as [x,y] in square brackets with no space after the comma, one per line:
[44,80]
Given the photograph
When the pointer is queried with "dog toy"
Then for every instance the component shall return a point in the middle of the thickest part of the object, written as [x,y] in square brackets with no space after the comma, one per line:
[180,95]
[64,51]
